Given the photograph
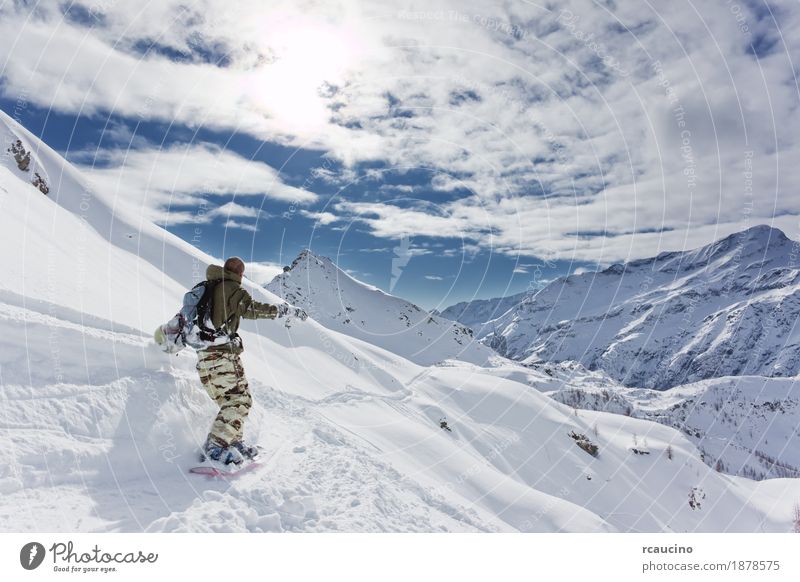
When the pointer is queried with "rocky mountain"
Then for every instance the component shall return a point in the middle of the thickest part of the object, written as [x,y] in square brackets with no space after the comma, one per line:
[726,309]
[475,313]
[340,302]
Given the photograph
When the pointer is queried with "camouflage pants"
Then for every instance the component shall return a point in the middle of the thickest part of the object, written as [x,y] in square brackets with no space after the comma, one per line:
[223,377]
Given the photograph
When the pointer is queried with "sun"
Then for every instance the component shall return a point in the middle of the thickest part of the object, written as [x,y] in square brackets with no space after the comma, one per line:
[307,57]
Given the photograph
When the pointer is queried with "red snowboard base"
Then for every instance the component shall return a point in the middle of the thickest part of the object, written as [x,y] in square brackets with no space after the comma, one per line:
[226,471]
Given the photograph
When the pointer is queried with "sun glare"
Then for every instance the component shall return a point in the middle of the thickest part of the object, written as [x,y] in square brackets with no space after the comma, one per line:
[306,57]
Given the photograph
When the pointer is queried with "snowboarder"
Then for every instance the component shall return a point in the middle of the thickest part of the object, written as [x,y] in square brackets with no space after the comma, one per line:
[220,366]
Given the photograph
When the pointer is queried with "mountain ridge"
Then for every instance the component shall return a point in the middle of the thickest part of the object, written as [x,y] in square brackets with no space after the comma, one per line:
[676,318]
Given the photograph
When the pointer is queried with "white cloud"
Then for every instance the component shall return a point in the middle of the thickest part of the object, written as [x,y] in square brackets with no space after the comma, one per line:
[323,218]
[397,189]
[155,181]
[434,278]
[329,176]
[249,226]
[262,273]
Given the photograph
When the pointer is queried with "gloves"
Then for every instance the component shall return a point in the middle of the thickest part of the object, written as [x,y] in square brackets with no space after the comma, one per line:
[284,309]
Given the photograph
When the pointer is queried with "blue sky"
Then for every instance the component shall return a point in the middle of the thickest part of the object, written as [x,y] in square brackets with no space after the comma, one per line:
[478,148]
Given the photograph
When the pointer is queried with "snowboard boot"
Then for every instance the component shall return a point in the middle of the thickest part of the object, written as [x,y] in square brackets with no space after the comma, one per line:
[219,453]
[247,451]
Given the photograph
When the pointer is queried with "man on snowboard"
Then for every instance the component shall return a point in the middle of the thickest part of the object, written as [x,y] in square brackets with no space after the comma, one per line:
[220,366]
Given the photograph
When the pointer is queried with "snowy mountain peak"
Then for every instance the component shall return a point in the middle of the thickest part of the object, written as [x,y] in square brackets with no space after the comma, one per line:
[307,255]
[342,302]
[309,261]
[740,249]
[757,240]
[761,232]
[312,266]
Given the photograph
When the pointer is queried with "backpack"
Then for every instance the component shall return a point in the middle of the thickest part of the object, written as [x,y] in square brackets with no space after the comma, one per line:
[192,325]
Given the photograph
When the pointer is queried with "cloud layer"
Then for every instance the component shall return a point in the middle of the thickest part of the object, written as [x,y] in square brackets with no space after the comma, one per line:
[171,185]
[596,131]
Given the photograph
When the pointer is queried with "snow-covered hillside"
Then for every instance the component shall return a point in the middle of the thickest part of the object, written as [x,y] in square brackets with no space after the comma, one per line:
[744,425]
[728,309]
[340,302]
[100,428]
[475,313]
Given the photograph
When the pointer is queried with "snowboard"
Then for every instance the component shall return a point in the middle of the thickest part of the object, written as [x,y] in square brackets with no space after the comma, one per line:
[215,469]
[224,471]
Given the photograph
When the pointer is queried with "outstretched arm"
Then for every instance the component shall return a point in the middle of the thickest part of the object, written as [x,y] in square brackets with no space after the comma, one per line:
[249,308]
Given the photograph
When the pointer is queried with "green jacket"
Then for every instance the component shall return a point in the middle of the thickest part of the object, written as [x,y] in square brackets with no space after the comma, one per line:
[231,302]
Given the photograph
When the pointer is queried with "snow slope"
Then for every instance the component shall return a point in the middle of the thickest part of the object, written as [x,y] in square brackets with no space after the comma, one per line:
[91,228]
[742,425]
[340,302]
[745,425]
[103,427]
[728,309]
